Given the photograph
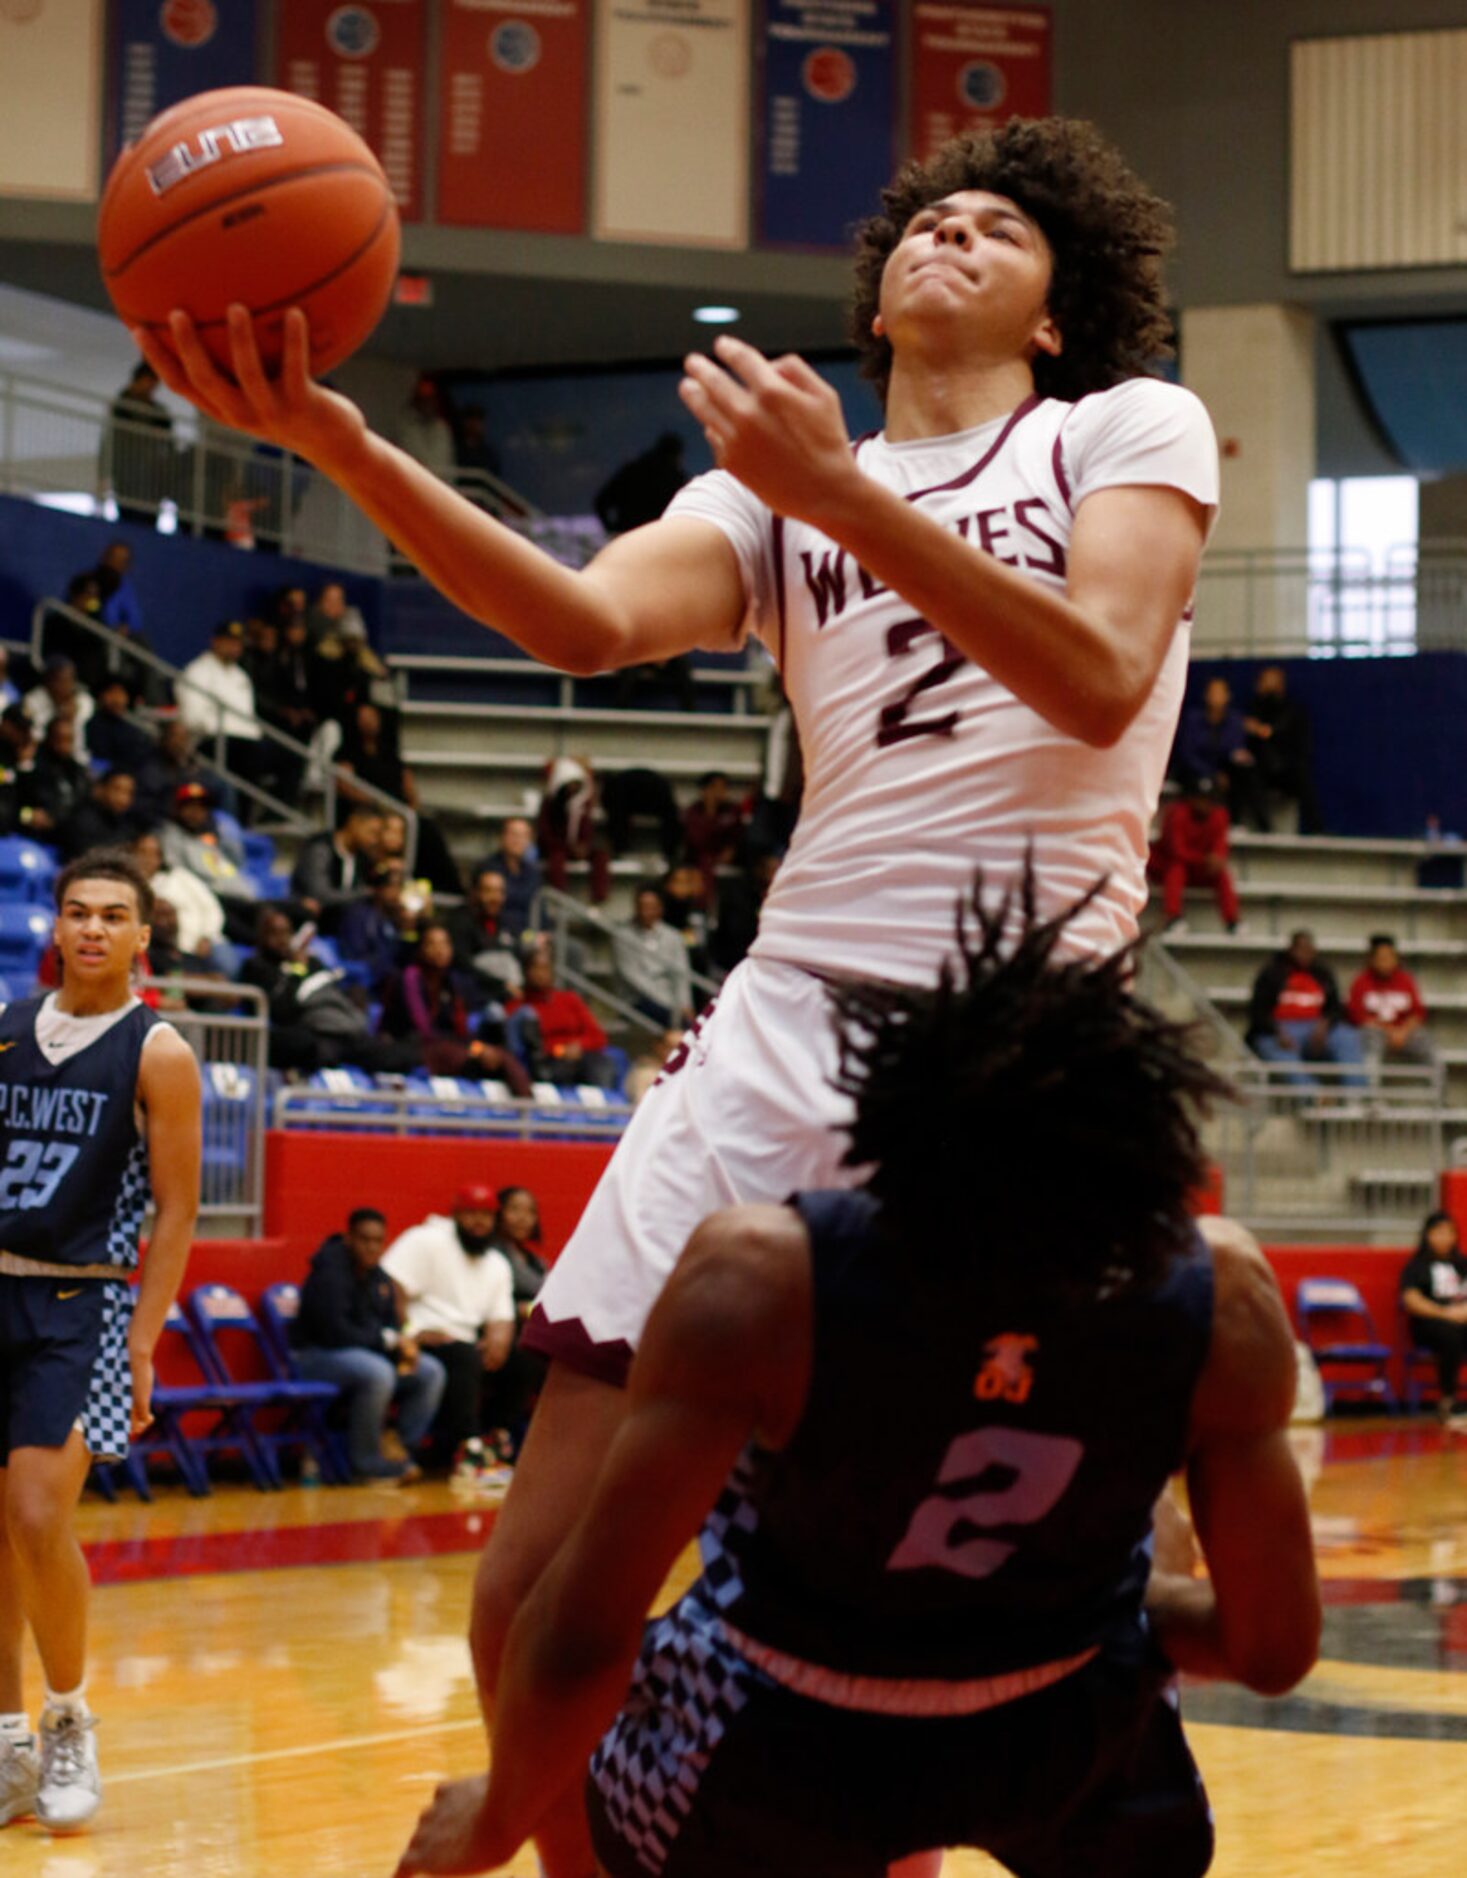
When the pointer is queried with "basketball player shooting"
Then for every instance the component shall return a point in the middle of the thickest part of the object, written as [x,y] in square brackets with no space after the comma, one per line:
[928,1627]
[980,617]
[99,1111]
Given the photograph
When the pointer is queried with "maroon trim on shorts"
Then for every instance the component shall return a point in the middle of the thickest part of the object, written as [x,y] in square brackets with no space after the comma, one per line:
[567,1340]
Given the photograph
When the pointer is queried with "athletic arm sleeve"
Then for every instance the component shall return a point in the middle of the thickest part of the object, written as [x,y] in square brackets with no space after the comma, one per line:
[747,525]
[1142,432]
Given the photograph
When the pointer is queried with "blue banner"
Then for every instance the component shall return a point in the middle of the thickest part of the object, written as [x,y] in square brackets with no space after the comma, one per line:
[827,113]
[163,51]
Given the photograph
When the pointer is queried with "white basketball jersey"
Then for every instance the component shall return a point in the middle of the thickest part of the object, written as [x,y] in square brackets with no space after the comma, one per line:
[920,767]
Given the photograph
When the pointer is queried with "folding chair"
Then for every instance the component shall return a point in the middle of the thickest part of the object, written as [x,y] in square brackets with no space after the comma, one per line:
[178,1353]
[1335,1322]
[279,1307]
[220,1312]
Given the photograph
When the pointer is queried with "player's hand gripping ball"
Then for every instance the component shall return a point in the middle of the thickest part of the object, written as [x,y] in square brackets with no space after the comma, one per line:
[254,196]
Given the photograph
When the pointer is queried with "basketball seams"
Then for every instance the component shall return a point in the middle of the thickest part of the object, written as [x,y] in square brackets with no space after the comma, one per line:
[300,294]
[258,187]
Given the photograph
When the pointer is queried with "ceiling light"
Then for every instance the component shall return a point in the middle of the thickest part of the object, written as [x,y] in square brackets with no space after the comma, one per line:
[716,315]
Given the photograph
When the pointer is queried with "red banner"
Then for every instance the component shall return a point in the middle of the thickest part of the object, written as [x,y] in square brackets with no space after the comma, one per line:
[973,67]
[366,64]
[512,114]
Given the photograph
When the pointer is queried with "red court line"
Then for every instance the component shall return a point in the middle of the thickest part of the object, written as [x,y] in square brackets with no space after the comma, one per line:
[339,1542]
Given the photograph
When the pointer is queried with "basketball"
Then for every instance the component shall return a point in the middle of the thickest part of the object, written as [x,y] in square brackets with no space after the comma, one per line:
[255,196]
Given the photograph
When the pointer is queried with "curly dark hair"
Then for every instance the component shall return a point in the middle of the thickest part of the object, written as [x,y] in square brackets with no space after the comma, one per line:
[1030,1111]
[1107,231]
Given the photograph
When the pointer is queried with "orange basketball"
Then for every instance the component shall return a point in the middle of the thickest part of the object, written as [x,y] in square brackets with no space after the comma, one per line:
[254,196]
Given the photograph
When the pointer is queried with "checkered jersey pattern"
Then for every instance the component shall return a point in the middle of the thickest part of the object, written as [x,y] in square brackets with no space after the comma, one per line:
[734,1513]
[688,1685]
[108,1411]
[134,1192]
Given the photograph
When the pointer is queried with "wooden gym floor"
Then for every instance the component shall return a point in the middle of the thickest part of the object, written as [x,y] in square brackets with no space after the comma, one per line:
[283,1678]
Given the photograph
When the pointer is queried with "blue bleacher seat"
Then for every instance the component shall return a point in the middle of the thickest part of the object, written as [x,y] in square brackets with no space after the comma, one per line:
[259,852]
[25,932]
[27,870]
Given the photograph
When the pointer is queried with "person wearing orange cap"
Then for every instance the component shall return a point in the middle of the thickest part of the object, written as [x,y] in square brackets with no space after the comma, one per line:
[458,1295]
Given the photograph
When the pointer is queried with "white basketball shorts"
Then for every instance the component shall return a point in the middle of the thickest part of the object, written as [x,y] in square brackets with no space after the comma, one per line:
[744,1111]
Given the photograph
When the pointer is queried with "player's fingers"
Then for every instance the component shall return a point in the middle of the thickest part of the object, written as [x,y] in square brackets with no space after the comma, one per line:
[724,392]
[795,371]
[156,349]
[207,384]
[245,354]
[747,361]
[295,368]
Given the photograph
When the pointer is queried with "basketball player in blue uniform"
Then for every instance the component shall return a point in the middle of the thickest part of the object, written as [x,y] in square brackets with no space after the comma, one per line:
[99,1113]
[931,1417]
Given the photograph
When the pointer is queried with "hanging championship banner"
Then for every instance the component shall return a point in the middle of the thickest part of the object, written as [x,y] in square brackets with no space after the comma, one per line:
[512,114]
[366,64]
[163,51]
[827,117]
[973,67]
[51,89]
[672,122]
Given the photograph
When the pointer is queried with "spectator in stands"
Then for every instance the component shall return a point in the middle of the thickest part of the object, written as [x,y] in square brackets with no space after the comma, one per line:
[1296,1017]
[482,939]
[104,818]
[348,1331]
[459,1296]
[687,900]
[314,1021]
[17,768]
[639,792]
[424,432]
[1433,1293]
[199,910]
[172,766]
[215,694]
[472,449]
[652,963]
[377,931]
[111,738]
[281,770]
[739,904]
[331,870]
[1212,741]
[369,749]
[349,673]
[641,489]
[713,826]
[294,691]
[192,841]
[8,693]
[1386,1007]
[1281,739]
[332,615]
[167,961]
[567,830]
[122,611]
[565,1044]
[512,1390]
[650,1065]
[60,692]
[431,1003]
[518,862]
[56,783]
[1192,851]
[137,448]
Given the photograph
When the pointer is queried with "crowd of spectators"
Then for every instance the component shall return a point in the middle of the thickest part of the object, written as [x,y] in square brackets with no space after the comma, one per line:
[1298,1019]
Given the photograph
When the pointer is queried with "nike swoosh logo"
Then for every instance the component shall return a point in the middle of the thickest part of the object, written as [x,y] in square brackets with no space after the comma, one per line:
[62,1296]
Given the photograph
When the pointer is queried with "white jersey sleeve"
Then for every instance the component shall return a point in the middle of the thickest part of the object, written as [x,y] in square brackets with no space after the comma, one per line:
[747,525]
[1143,431]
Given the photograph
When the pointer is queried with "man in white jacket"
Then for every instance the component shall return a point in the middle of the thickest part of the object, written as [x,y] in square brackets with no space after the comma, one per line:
[199,909]
[217,694]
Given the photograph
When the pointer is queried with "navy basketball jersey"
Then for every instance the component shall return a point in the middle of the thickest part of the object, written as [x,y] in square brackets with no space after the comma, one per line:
[73,1164]
[969,1491]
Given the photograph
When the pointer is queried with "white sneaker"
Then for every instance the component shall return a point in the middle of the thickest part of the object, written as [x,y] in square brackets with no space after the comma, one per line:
[70,1788]
[19,1771]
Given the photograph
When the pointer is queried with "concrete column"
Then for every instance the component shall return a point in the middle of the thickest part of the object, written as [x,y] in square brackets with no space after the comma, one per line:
[1253,367]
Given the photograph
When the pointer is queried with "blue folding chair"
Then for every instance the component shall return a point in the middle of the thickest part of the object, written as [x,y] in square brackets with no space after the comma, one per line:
[220,1313]
[1335,1322]
[279,1307]
[228,1429]
[228,1111]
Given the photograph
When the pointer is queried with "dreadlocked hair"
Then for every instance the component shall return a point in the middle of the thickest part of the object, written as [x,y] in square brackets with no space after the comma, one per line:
[1030,1112]
[1106,230]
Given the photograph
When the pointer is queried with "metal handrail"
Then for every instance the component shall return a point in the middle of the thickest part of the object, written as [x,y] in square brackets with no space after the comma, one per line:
[335,776]
[415,1110]
[566,910]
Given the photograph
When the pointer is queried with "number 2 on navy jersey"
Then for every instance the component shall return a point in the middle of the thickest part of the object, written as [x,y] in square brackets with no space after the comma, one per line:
[33,1171]
[945,1531]
[894,725]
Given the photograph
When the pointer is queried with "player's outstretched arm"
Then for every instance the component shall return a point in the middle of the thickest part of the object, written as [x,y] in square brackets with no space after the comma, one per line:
[653,593]
[725,1356]
[1256,1619]
[168,1088]
[1085,660]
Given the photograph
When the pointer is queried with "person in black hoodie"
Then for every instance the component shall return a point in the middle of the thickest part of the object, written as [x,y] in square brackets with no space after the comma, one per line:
[1433,1292]
[1296,1016]
[511,1390]
[348,1331]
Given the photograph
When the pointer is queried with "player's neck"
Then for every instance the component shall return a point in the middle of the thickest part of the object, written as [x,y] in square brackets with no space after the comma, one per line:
[96,1000]
[929,400]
